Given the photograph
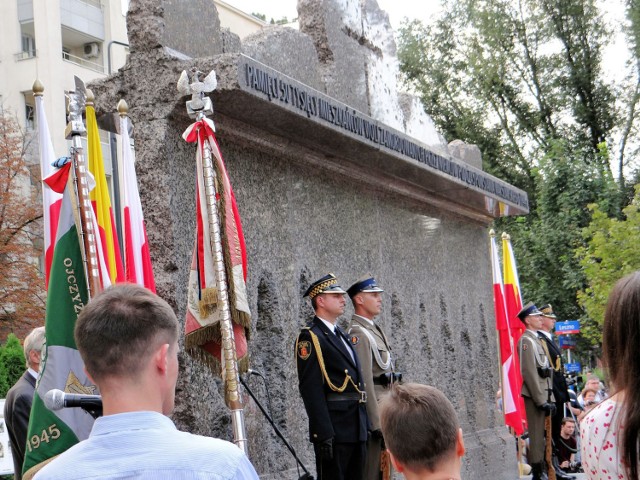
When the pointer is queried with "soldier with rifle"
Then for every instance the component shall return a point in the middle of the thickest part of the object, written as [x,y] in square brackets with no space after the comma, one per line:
[560,389]
[536,386]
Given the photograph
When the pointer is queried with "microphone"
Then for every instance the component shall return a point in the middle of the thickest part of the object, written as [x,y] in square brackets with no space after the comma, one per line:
[254,372]
[57,400]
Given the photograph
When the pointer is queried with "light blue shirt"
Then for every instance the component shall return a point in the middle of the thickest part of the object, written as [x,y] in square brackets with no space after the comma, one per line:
[148,446]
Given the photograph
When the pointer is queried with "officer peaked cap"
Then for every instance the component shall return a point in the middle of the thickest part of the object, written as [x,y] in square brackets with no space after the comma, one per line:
[366,284]
[327,284]
[528,310]
[547,311]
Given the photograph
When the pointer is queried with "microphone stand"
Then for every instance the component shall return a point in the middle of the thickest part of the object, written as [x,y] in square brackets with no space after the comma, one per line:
[95,412]
[306,475]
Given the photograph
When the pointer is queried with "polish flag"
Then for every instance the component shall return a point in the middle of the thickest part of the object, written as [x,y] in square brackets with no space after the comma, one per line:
[51,201]
[137,260]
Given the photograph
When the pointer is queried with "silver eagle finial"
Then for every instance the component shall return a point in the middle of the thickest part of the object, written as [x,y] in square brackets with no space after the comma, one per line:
[77,101]
[199,104]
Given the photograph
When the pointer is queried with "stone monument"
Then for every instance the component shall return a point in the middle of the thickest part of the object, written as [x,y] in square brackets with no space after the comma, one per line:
[333,171]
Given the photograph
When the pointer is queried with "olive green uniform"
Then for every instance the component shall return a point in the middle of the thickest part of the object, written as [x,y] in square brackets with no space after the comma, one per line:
[373,351]
[536,390]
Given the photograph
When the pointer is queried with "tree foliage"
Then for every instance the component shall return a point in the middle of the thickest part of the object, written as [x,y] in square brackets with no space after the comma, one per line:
[12,364]
[523,79]
[22,296]
[611,252]
[530,79]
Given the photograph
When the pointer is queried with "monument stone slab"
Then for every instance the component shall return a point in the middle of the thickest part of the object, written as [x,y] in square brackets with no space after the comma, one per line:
[317,194]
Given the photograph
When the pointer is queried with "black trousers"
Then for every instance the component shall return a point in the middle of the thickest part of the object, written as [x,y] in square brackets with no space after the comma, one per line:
[347,463]
[556,422]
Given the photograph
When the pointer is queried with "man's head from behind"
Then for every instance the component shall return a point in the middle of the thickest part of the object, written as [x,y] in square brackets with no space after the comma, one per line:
[33,344]
[421,431]
[122,330]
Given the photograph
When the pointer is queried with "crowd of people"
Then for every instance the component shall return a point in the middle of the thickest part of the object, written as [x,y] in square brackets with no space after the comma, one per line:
[598,431]
[362,418]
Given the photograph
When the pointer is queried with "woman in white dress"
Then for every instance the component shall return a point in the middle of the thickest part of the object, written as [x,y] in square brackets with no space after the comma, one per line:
[611,431]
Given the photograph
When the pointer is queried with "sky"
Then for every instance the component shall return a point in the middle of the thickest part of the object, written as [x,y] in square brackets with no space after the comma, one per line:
[397,9]
[614,56]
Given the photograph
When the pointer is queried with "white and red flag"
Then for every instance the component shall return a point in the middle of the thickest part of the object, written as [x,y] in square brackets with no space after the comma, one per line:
[509,366]
[137,259]
[51,201]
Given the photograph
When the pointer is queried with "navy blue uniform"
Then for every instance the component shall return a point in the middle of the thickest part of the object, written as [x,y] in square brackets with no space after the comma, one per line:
[341,416]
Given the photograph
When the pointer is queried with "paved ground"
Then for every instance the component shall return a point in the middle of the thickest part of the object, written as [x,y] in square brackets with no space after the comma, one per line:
[579,476]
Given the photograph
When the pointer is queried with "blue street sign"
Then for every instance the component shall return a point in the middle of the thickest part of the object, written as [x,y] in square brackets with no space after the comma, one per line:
[567,342]
[570,326]
[573,367]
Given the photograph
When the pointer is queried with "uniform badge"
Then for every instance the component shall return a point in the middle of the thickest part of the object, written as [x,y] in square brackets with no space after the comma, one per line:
[304,349]
[525,346]
[354,340]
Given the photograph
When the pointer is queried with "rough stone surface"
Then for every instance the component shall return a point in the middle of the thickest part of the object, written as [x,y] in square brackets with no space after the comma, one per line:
[466,151]
[419,125]
[192,28]
[299,61]
[301,220]
[358,60]
[230,41]
[342,60]
[382,68]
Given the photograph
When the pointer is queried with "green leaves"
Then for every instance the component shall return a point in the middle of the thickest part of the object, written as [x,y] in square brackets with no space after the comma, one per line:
[523,80]
[610,252]
[12,364]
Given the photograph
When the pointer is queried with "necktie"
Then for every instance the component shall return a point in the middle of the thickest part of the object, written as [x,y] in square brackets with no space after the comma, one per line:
[342,337]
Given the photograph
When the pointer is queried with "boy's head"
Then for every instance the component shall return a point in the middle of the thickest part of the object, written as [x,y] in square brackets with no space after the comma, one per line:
[420,429]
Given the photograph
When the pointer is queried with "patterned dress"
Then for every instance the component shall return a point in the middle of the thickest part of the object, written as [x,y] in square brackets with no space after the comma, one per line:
[599,432]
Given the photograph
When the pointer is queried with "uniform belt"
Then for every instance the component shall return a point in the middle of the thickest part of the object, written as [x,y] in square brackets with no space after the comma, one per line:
[347,397]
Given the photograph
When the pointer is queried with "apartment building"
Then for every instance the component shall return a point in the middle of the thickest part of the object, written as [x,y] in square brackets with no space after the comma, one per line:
[53,40]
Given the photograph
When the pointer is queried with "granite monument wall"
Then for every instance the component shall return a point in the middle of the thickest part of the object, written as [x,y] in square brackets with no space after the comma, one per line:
[318,197]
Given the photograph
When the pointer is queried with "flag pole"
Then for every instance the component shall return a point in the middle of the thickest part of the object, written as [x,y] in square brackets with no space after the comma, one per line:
[198,109]
[74,131]
[123,111]
[51,200]
[492,236]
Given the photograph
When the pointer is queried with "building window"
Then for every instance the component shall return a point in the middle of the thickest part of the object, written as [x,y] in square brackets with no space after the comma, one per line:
[28,46]
[29,113]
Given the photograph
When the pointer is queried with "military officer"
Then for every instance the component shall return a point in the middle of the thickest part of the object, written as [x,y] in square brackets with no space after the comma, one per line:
[331,386]
[536,386]
[559,383]
[374,354]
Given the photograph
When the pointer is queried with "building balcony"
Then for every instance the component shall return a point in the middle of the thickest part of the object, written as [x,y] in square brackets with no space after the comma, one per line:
[25,55]
[83,62]
[83,16]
